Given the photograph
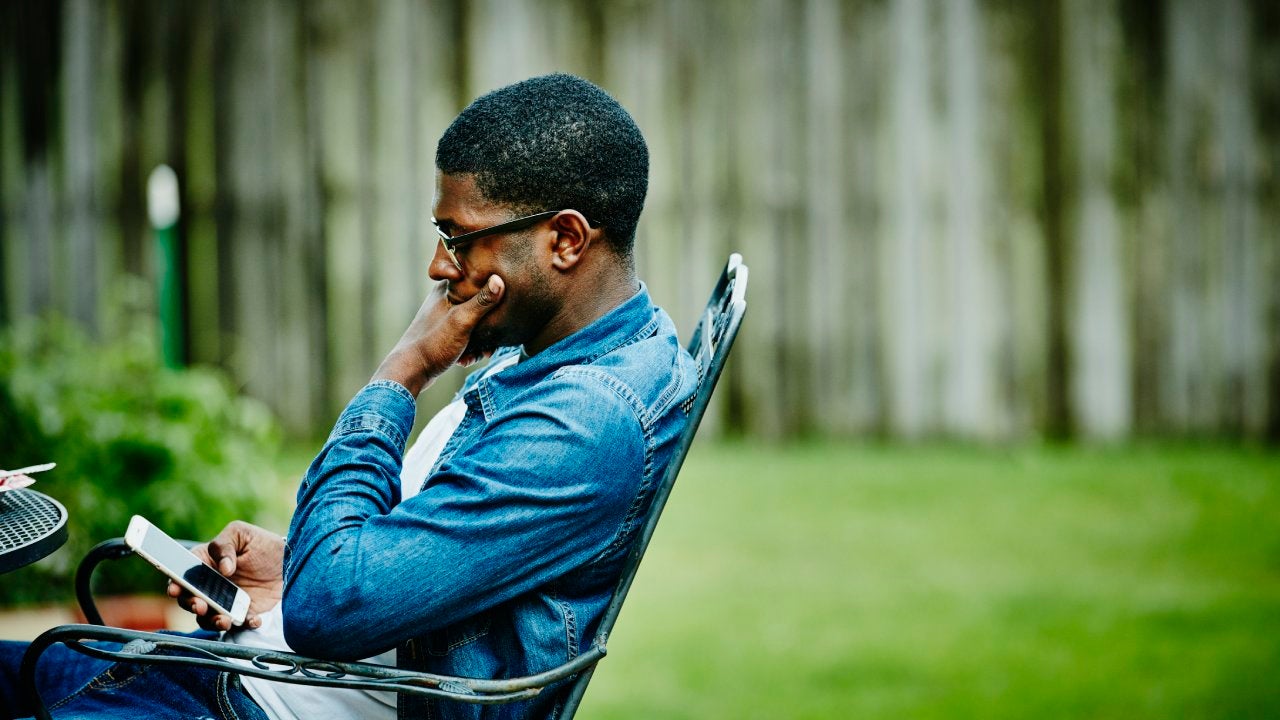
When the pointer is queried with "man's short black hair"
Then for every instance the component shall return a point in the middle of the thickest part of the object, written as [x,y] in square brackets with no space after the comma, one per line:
[554,142]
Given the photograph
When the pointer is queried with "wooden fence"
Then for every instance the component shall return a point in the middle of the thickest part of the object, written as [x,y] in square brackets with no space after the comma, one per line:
[977,219]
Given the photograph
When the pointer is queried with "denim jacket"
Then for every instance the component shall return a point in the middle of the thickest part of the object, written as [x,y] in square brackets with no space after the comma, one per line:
[503,564]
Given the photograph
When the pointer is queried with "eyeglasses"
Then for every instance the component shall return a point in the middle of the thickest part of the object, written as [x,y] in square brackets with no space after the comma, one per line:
[450,243]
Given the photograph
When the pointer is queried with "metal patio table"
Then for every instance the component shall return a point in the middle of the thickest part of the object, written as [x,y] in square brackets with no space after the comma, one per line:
[32,525]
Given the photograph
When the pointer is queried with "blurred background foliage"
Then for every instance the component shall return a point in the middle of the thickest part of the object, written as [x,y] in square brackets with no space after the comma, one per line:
[179,447]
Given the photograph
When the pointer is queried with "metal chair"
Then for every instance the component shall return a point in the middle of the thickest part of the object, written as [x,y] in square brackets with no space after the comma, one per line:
[710,344]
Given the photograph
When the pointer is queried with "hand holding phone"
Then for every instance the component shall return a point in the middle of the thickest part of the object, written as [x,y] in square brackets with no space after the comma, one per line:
[187,570]
[250,556]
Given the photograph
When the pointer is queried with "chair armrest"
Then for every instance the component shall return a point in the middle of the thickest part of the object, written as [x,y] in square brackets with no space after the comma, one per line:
[112,549]
[139,646]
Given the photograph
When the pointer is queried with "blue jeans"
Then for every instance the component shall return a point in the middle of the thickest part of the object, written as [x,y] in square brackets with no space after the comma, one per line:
[74,685]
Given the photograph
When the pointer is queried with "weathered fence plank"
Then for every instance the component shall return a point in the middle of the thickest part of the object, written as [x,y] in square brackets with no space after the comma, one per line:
[969,405]
[1099,307]
[909,256]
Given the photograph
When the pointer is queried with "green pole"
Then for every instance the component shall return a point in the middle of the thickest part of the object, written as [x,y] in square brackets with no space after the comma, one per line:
[162,207]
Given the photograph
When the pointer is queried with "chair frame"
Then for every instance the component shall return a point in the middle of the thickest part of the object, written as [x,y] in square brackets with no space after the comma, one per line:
[710,344]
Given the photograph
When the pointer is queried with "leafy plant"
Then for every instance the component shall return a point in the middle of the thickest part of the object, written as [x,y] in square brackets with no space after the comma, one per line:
[130,437]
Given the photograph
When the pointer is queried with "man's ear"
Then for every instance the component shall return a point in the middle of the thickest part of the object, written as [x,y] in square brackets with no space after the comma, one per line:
[573,237]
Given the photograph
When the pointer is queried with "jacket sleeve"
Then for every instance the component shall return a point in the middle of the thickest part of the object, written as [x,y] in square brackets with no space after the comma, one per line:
[546,488]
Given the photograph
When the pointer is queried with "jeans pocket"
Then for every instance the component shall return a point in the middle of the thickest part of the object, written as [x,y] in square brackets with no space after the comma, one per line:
[113,678]
[233,702]
[446,640]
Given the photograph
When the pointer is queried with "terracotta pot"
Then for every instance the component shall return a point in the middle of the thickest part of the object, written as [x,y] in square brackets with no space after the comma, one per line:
[136,612]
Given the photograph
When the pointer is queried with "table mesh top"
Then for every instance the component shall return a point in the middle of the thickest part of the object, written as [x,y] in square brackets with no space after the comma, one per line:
[26,517]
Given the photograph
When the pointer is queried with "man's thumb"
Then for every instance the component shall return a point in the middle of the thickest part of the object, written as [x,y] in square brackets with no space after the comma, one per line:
[223,555]
[489,295]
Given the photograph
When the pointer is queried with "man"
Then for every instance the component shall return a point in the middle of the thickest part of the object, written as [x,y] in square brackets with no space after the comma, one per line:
[491,548]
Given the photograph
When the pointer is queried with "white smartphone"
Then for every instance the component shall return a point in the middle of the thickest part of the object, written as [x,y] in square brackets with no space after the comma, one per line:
[206,583]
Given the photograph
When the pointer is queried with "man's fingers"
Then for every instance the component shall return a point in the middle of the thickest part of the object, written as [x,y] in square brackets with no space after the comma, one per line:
[471,358]
[193,605]
[208,619]
[210,622]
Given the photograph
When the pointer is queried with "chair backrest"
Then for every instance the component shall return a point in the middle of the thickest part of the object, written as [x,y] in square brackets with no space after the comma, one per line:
[710,345]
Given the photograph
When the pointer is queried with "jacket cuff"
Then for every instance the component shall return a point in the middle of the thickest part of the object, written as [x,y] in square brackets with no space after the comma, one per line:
[383,407]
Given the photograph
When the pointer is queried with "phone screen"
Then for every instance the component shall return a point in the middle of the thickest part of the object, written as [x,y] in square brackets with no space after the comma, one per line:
[169,553]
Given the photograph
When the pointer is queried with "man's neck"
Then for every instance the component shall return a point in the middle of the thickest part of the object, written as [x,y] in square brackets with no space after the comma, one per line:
[604,297]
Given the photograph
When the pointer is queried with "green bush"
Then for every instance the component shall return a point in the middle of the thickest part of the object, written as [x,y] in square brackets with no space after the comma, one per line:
[129,436]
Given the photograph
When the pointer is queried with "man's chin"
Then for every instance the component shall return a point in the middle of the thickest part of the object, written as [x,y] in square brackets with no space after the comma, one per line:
[478,351]
[487,338]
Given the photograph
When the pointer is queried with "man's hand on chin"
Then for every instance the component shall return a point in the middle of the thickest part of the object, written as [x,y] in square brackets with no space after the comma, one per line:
[439,337]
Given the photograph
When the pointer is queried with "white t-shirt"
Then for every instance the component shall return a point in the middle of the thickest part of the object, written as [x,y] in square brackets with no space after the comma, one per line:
[286,701]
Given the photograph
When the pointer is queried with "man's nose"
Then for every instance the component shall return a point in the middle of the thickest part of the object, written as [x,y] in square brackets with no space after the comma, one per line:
[442,267]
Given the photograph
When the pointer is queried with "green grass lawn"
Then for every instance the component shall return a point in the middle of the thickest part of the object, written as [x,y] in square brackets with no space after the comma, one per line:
[864,582]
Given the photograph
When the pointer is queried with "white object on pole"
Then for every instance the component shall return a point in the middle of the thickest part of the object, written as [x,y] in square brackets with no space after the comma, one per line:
[162,197]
